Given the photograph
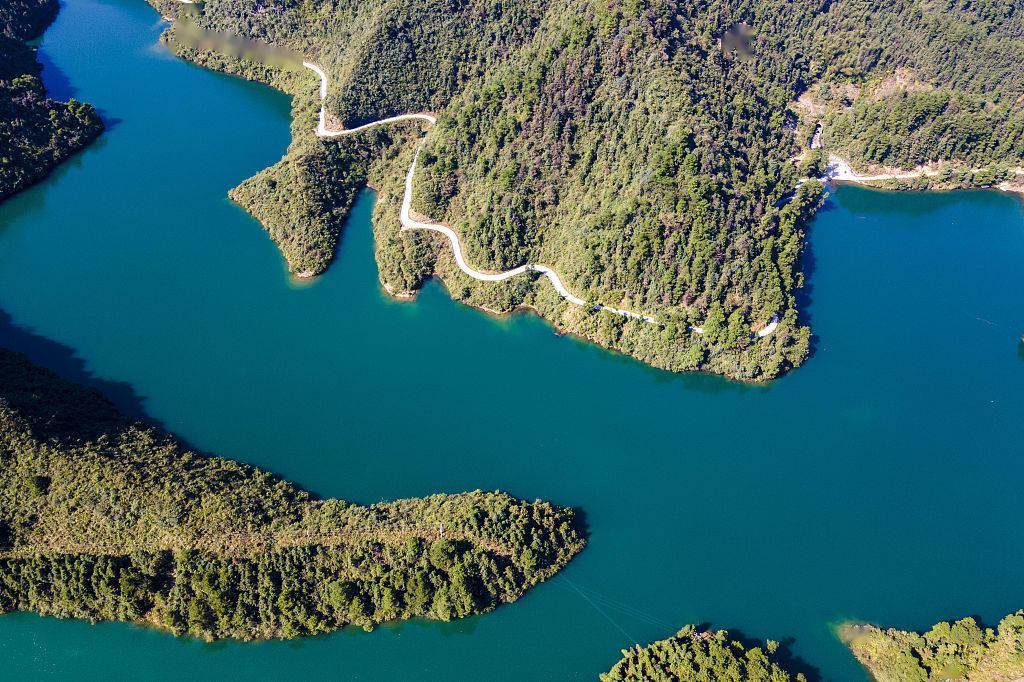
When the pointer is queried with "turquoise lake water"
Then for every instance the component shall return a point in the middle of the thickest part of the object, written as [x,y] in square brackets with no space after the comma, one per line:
[881,481]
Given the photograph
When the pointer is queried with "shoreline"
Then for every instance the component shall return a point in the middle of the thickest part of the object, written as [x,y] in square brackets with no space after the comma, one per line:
[841,171]
[409,222]
[758,330]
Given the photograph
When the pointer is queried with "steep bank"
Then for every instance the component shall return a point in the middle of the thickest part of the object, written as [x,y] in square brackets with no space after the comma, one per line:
[103,518]
[937,177]
[36,133]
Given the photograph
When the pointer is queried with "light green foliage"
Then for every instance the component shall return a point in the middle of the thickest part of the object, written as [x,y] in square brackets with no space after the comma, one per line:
[907,129]
[959,650]
[104,518]
[694,656]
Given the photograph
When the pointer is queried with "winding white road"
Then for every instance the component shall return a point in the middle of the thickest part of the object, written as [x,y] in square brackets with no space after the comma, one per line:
[321,127]
[841,170]
[410,223]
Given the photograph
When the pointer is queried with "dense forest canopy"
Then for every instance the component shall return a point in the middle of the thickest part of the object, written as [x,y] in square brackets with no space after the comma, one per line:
[36,133]
[643,148]
[693,655]
[960,650]
[934,80]
[102,517]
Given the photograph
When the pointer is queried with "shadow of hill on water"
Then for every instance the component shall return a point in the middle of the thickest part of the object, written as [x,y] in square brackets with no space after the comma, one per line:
[79,405]
[65,362]
[784,655]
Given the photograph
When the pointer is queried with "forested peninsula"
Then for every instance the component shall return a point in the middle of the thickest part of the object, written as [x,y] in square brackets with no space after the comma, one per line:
[960,650]
[36,133]
[646,150]
[106,518]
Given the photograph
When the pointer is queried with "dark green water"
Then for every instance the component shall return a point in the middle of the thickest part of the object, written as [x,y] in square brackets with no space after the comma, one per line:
[881,481]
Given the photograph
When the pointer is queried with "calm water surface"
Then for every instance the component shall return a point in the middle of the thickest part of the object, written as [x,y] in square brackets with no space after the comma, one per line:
[881,481]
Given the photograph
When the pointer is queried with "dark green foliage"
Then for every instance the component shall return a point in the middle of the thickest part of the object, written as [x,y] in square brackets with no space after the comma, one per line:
[939,81]
[694,656]
[26,19]
[907,129]
[283,593]
[36,133]
[960,650]
[103,518]
[38,485]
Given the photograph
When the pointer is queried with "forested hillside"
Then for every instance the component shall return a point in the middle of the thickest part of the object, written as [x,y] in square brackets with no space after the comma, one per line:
[961,650]
[692,655]
[935,80]
[642,148]
[36,133]
[104,518]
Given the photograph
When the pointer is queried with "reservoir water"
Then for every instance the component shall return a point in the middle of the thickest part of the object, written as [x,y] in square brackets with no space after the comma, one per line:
[881,481]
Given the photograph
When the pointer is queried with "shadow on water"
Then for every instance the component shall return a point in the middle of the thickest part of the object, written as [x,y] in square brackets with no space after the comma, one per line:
[18,208]
[909,207]
[788,660]
[58,85]
[64,361]
[33,199]
[784,655]
[804,296]
[696,382]
[109,122]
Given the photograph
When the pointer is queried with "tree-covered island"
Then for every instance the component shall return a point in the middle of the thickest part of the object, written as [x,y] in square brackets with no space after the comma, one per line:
[695,655]
[105,518]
